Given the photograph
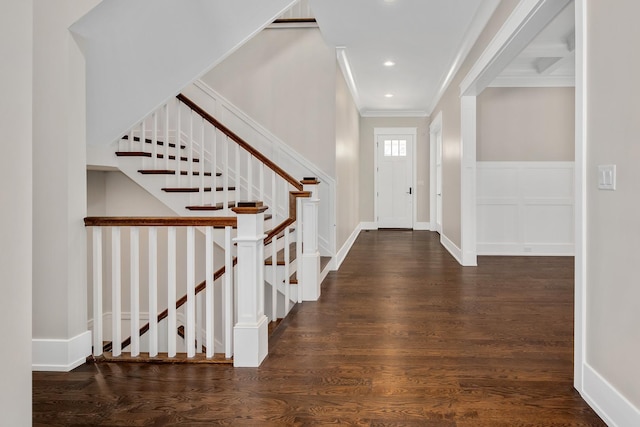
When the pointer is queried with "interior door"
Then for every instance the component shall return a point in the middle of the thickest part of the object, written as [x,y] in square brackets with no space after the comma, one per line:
[439,181]
[395,194]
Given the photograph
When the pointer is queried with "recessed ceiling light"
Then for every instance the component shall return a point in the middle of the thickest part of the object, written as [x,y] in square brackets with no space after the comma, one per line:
[389,63]
[388,95]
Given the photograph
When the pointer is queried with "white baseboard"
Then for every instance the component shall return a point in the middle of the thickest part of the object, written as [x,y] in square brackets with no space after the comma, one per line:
[532,249]
[368,225]
[607,401]
[344,250]
[60,355]
[455,251]
[422,226]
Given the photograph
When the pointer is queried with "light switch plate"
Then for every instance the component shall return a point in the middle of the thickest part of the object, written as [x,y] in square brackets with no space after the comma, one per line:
[607,177]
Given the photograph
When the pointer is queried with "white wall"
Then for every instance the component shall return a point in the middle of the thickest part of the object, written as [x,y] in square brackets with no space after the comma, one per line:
[347,161]
[525,189]
[449,105]
[285,80]
[16,50]
[525,208]
[526,124]
[139,54]
[59,186]
[613,229]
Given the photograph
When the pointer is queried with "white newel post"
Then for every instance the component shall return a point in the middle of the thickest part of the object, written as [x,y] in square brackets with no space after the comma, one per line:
[310,254]
[250,336]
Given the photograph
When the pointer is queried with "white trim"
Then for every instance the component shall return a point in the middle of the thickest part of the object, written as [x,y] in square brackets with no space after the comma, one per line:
[422,226]
[281,25]
[434,128]
[366,225]
[607,401]
[482,16]
[517,249]
[60,355]
[468,220]
[343,62]
[533,81]
[524,23]
[455,251]
[394,113]
[396,131]
[344,250]
[580,194]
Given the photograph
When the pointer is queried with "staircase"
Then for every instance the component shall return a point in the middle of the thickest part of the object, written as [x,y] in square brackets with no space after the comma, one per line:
[214,253]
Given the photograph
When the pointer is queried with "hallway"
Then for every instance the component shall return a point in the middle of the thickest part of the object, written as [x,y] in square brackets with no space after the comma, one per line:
[402,335]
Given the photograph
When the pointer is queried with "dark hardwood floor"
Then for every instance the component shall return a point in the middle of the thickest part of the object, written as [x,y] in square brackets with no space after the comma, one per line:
[402,336]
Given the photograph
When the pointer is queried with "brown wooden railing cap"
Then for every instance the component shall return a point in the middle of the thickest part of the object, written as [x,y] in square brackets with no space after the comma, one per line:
[300,193]
[249,208]
[146,221]
[310,180]
[241,142]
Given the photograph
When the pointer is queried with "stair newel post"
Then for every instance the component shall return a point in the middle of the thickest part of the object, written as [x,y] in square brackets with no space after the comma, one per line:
[310,261]
[250,332]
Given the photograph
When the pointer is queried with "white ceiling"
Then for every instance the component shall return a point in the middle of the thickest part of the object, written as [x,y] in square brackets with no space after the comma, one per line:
[428,40]
[549,60]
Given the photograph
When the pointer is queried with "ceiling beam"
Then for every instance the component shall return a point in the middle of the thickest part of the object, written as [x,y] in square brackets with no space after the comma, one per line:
[523,25]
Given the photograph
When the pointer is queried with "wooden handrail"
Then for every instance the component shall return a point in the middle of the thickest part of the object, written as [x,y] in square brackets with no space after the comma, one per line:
[150,221]
[241,142]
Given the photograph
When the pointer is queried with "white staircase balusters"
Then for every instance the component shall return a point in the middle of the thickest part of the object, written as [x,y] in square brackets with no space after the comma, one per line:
[287,272]
[116,286]
[97,290]
[190,327]
[154,140]
[209,293]
[134,287]
[166,137]
[153,292]
[205,153]
[172,323]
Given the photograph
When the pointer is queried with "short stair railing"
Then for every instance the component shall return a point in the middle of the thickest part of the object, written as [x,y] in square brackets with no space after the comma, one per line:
[172,267]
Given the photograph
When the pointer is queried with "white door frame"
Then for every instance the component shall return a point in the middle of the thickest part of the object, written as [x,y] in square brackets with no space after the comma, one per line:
[527,19]
[395,131]
[434,128]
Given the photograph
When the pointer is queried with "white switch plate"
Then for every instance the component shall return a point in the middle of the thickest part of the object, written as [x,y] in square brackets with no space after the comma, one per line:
[607,177]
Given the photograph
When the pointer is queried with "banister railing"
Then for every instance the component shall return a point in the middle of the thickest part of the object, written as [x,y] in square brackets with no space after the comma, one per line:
[195,339]
[241,142]
[192,152]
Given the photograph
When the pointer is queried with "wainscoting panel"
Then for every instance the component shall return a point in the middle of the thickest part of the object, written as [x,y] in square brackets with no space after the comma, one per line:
[525,208]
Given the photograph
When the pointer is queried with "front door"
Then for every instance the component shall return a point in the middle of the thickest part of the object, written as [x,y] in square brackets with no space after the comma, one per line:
[395,192]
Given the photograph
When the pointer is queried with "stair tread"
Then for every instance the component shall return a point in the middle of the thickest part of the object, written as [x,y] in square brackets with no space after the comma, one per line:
[147,154]
[280,255]
[193,189]
[149,141]
[209,207]
[172,172]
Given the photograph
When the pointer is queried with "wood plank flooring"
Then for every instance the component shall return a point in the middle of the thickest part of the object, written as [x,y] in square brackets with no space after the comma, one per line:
[402,336]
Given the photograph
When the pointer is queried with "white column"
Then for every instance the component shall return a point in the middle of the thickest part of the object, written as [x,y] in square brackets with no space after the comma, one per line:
[308,223]
[250,336]
[468,179]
